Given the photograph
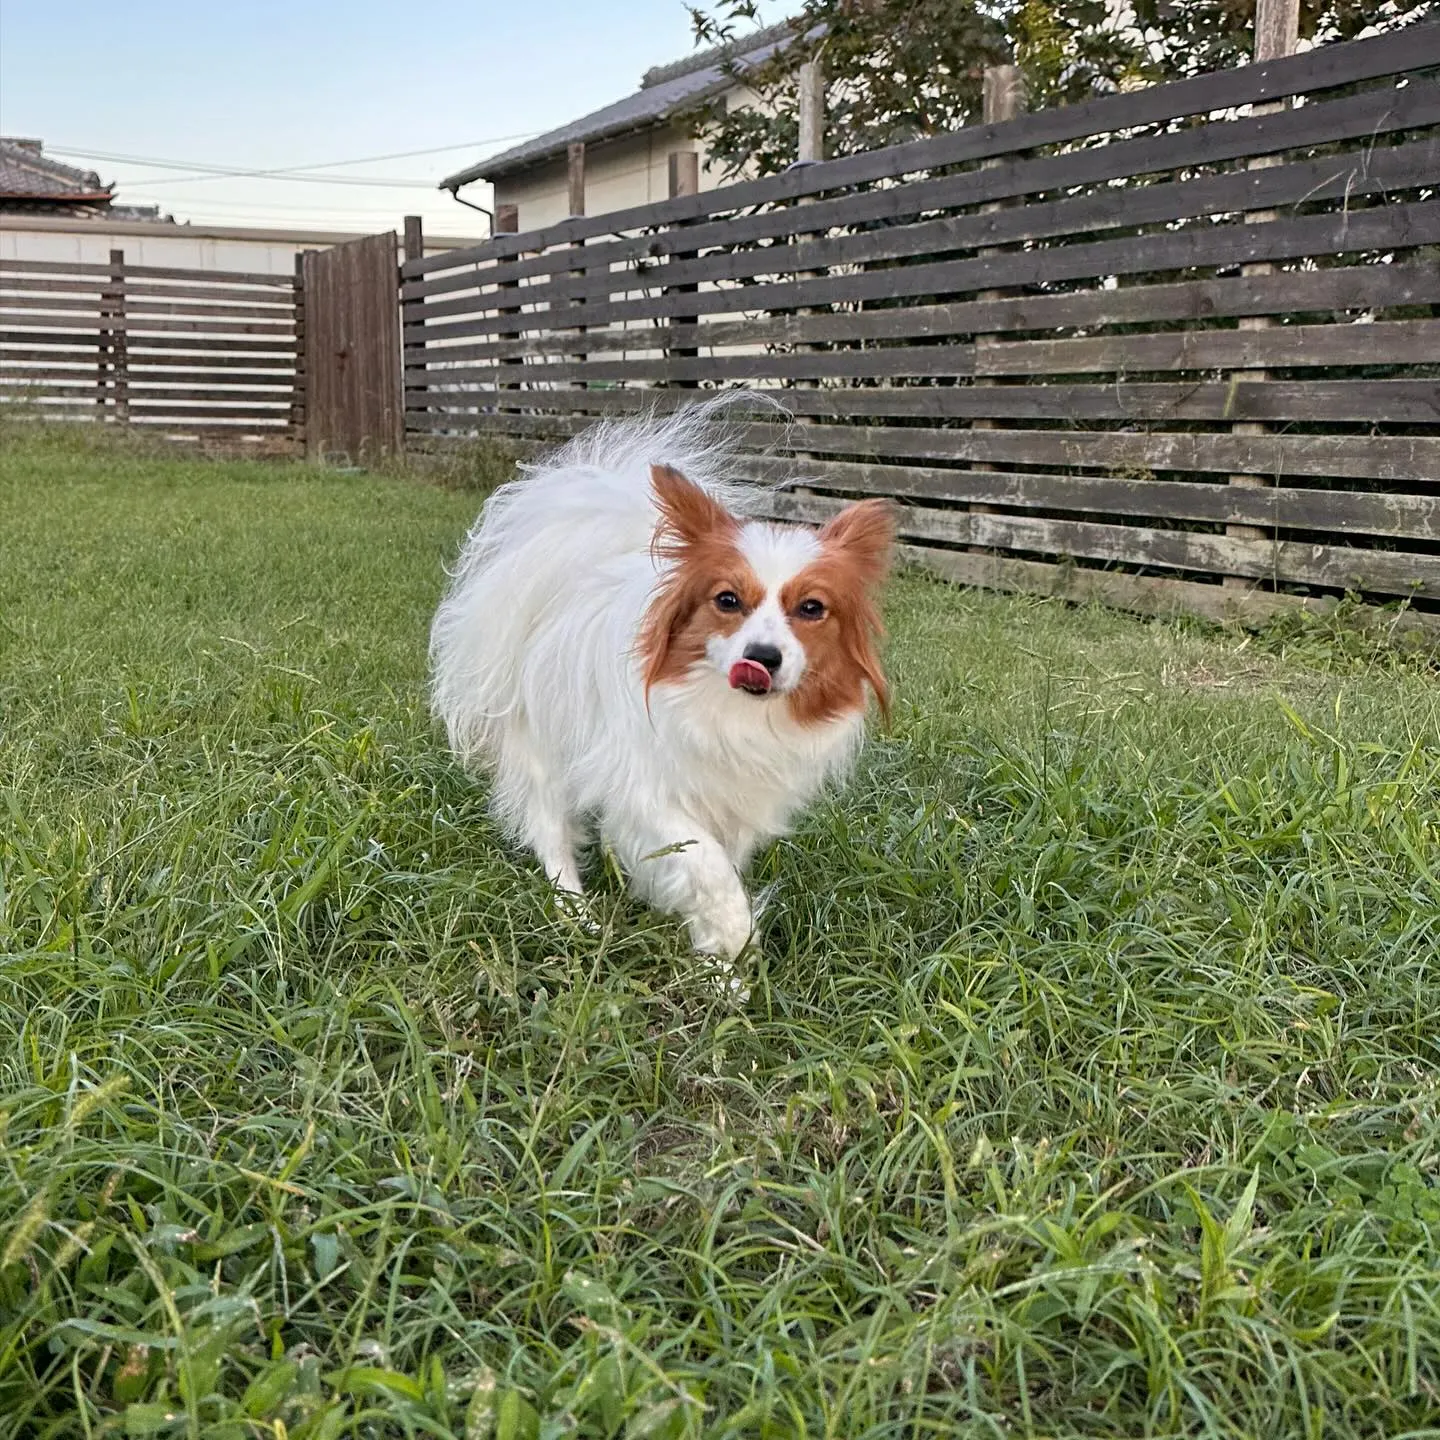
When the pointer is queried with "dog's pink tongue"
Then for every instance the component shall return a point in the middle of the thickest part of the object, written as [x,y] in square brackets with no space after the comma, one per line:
[747,675]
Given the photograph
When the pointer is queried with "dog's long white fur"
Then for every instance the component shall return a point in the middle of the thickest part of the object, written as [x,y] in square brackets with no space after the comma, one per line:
[536,677]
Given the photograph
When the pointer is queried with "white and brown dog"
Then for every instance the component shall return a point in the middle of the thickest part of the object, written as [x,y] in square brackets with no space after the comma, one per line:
[622,648]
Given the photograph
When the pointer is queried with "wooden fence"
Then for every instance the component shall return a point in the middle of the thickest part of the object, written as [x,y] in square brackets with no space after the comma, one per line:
[1175,348]
[192,352]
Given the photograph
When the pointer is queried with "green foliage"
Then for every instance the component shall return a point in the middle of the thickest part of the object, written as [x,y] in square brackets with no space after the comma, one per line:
[900,70]
[1087,1084]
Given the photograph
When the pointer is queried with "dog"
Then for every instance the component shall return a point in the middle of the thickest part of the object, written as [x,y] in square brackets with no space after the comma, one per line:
[622,648]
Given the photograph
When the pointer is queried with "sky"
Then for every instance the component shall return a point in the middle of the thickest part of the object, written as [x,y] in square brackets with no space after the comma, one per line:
[264,85]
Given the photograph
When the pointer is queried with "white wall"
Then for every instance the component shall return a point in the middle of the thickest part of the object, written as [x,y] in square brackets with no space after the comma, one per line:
[189,247]
[634,170]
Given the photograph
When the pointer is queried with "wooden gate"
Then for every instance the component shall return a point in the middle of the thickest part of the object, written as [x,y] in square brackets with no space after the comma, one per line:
[354,403]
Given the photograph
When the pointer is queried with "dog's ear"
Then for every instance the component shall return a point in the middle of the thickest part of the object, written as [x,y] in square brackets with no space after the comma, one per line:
[865,534]
[687,514]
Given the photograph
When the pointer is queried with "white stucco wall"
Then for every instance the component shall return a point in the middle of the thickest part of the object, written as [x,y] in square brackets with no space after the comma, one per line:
[190,247]
[634,170]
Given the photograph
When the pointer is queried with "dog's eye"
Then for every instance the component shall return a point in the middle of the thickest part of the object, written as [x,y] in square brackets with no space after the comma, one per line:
[811,609]
[727,600]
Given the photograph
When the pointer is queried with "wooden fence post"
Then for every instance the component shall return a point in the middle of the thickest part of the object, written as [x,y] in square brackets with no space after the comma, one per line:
[413,355]
[507,222]
[121,349]
[810,150]
[684,179]
[298,391]
[105,365]
[812,112]
[1002,98]
[1277,33]
[575,175]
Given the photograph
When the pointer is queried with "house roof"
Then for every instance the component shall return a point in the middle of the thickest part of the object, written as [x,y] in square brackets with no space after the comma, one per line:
[27,174]
[663,91]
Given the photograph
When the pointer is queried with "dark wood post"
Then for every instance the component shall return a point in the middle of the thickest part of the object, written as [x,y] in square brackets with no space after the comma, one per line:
[507,222]
[105,339]
[575,160]
[809,150]
[298,391]
[1002,99]
[1277,33]
[412,352]
[120,350]
[812,112]
[684,178]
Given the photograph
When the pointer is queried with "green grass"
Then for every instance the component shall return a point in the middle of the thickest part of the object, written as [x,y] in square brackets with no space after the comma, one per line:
[1088,1084]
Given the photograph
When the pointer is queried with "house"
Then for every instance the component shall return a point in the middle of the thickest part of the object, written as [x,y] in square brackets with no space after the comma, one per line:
[638,150]
[33,184]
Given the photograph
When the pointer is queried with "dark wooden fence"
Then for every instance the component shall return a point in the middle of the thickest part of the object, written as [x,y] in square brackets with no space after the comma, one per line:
[191,352]
[355,403]
[1176,348]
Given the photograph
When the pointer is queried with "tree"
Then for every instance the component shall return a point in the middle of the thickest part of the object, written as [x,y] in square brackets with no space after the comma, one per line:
[899,70]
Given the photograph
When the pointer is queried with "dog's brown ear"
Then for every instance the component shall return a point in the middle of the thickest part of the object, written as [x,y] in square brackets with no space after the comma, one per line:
[688,514]
[865,534]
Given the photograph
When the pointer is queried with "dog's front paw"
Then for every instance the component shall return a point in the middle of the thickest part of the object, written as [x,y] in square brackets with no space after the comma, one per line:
[722,931]
[574,907]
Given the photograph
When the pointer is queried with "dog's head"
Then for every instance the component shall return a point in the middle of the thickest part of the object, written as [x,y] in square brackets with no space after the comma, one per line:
[782,612]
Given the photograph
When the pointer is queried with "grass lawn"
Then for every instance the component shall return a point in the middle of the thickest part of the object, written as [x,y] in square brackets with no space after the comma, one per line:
[1088,1084]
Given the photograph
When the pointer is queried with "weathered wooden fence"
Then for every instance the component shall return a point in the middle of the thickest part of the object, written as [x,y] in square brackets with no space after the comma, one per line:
[351,349]
[190,352]
[1175,348]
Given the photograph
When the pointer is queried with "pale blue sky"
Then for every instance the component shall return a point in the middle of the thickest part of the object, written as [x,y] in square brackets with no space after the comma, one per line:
[290,83]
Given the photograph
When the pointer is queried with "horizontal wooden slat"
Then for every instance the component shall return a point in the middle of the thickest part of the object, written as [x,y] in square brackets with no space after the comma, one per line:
[146,394]
[1390,227]
[544,426]
[271,430]
[19,361]
[15,374]
[273,301]
[1408,402]
[141,324]
[148,272]
[142,408]
[102,313]
[1390,342]
[1415,517]
[1338,567]
[893,360]
[1324,67]
[270,422]
[81,339]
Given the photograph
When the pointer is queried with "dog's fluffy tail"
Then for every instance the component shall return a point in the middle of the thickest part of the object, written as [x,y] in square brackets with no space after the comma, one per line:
[538,537]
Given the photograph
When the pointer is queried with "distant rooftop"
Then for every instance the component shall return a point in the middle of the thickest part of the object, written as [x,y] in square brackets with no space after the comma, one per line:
[664,90]
[30,177]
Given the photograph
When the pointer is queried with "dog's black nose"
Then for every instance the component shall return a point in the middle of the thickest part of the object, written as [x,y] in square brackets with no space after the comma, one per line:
[767,655]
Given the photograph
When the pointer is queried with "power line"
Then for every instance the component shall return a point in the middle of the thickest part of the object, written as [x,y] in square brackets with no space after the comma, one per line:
[264,208]
[288,172]
[369,180]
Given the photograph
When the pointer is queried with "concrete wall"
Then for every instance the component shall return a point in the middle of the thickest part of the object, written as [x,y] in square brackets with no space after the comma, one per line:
[189,247]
